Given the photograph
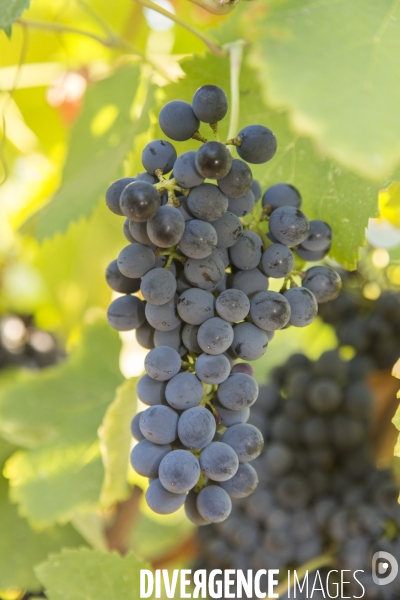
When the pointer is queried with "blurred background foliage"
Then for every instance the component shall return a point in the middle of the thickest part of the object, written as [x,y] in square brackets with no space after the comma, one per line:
[81,83]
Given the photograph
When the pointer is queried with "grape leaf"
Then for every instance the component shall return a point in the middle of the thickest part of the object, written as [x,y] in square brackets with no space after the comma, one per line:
[333,64]
[10,10]
[91,575]
[389,203]
[115,443]
[115,110]
[54,415]
[330,192]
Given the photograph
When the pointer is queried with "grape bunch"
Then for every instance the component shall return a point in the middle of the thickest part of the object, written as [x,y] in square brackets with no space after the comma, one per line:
[194,284]
[319,488]
[372,328]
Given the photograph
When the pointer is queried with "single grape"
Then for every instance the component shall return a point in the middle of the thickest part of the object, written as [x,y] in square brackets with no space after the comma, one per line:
[147,177]
[210,103]
[213,160]
[292,491]
[256,189]
[278,458]
[218,461]
[196,428]
[212,370]
[161,501]
[215,336]
[191,510]
[270,310]
[323,282]
[183,209]
[162,363]
[158,155]
[238,392]
[227,417]
[135,428]
[214,504]
[178,121]
[171,338]
[238,181]
[179,471]
[258,144]
[319,237]
[126,313]
[277,261]
[249,342]
[242,205]
[159,424]
[146,457]
[196,306]
[185,171]
[247,252]
[289,225]
[243,483]
[245,368]
[324,395]
[229,230]
[119,282]
[139,201]
[223,255]
[281,194]
[246,440]
[135,260]
[138,232]
[114,192]
[163,317]
[182,283]
[189,338]
[303,306]
[150,391]
[233,305]
[184,391]
[125,230]
[310,256]
[166,228]
[205,273]
[144,336]
[199,239]
[207,202]
[250,282]
[158,286]
[359,400]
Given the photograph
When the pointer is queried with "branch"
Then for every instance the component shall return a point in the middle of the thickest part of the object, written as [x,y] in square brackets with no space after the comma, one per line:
[113,40]
[211,45]
[127,512]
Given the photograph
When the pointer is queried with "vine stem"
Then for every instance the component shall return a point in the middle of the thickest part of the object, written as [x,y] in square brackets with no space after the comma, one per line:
[211,45]
[235,50]
[112,40]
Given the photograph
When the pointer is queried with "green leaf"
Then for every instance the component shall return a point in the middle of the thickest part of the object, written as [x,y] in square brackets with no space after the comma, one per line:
[91,575]
[334,65]
[55,414]
[10,10]
[330,192]
[116,109]
[115,443]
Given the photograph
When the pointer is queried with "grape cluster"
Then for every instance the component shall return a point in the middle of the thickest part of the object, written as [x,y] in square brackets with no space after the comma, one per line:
[372,328]
[194,283]
[23,345]
[319,488]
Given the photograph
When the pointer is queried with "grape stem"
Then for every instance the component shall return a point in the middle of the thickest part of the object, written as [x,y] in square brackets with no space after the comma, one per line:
[169,184]
[211,45]
[197,136]
[214,127]
[235,50]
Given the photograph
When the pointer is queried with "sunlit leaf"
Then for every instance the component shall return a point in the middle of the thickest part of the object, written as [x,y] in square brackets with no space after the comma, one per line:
[55,414]
[115,442]
[115,110]
[333,65]
[389,203]
[91,575]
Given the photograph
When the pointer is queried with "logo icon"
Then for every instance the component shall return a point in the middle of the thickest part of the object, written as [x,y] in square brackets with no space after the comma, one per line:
[383,562]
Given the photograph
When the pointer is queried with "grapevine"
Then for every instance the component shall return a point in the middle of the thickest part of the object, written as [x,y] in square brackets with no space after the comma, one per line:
[194,284]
